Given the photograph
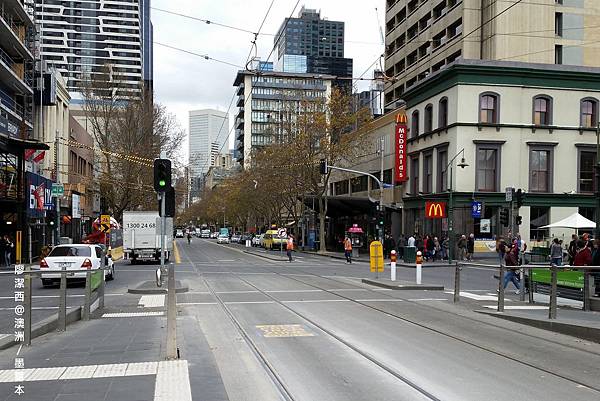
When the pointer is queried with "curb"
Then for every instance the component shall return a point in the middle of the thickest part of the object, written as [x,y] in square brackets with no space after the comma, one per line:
[585,333]
[333,256]
[44,327]
[413,287]
[156,290]
[265,256]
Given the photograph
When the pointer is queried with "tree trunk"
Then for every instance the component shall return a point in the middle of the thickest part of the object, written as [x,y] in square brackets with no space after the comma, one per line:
[322,214]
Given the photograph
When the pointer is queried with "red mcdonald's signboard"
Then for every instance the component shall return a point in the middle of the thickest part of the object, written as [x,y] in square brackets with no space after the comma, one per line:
[435,210]
[400,141]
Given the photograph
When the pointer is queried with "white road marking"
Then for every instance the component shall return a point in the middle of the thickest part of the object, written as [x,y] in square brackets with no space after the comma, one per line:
[47,374]
[380,300]
[315,301]
[516,307]
[42,308]
[152,301]
[141,368]
[133,314]
[172,382]
[475,296]
[77,372]
[113,370]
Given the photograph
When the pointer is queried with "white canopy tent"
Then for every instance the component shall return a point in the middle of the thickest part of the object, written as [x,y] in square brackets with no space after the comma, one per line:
[575,221]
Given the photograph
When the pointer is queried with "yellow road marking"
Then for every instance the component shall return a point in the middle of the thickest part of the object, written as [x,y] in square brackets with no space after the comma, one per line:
[176,252]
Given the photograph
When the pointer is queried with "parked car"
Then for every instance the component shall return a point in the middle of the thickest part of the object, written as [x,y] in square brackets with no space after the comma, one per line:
[256,240]
[179,233]
[223,239]
[214,235]
[245,237]
[235,238]
[75,257]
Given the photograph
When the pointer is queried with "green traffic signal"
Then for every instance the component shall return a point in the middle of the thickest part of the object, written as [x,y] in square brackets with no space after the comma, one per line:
[162,183]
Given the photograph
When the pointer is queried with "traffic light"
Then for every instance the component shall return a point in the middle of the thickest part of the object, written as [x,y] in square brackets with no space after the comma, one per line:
[169,203]
[162,175]
[323,166]
[518,220]
[504,216]
[519,196]
[381,218]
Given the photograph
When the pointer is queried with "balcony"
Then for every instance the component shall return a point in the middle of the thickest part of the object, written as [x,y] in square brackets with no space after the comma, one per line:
[12,37]
[239,123]
[240,101]
[239,135]
[240,90]
[13,74]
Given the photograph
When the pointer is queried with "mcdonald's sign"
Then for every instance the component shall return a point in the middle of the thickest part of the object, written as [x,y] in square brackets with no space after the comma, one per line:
[435,210]
[400,141]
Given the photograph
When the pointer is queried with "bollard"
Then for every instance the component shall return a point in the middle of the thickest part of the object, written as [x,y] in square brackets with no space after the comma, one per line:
[587,290]
[393,265]
[171,315]
[27,305]
[553,289]
[501,289]
[530,286]
[522,279]
[419,262]
[62,303]
[88,296]
[457,282]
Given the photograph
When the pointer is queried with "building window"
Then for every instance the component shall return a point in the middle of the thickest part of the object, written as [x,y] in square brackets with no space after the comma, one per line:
[540,170]
[414,175]
[558,24]
[443,113]
[558,54]
[428,123]
[487,176]
[414,124]
[539,217]
[542,110]
[442,176]
[360,184]
[341,187]
[428,173]
[585,171]
[589,113]
[489,108]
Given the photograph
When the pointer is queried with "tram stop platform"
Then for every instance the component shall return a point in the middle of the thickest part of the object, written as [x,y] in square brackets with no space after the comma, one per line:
[402,285]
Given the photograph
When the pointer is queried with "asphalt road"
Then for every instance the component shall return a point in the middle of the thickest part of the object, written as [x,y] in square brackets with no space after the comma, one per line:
[252,328]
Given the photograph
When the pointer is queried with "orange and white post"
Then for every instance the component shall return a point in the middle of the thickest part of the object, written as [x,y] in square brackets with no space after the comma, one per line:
[419,261]
[393,265]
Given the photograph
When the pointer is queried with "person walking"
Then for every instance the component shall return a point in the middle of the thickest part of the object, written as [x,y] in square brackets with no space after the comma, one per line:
[411,241]
[556,253]
[445,243]
[8,249]
[583,257]
[462,245]
[400,246]
[572,250]
[430,248]
[470,246]
[289,247]
[437,249]
[501,249]
[348,250]
[511,260]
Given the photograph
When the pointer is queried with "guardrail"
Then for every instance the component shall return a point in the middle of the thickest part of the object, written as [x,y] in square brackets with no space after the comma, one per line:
[94,291]
[588,283]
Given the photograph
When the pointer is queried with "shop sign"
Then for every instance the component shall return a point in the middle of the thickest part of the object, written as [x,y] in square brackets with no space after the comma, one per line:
[476,208]
[400,141]
[435,210]
[75,211]
[39,195]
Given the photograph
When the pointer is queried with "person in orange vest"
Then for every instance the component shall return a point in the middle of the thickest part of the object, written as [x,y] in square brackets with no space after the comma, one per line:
[348,249]
[290,246]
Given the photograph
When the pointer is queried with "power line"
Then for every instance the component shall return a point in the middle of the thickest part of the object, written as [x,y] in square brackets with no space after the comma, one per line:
[204,56]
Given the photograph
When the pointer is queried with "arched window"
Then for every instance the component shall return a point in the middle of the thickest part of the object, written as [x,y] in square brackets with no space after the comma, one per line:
[542,110]
[489,108]
[443,113]
[414,124]
[589,112]
[428,120]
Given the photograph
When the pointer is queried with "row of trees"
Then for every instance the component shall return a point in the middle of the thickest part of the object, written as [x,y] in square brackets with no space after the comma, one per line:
[278,177]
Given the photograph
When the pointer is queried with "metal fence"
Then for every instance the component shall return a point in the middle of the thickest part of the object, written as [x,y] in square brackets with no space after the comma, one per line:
[588,283]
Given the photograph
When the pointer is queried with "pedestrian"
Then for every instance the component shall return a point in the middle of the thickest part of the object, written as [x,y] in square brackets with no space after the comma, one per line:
[462,245]
[430,248]
[572,250]
[289,246]
[470,246]
[556,253]
[501,249]
[8,249]
[400,246]
[583,257]
[411,241]
[437,249]
[445,244]
[512,262]
[2,250]
[348,250]
[596,253]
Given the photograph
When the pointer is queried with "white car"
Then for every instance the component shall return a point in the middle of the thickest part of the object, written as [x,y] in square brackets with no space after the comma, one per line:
[256,240]
[78,258]
[179,234]
[223,239]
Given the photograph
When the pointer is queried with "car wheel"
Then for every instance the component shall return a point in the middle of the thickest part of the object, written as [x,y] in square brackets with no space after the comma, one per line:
[133,261]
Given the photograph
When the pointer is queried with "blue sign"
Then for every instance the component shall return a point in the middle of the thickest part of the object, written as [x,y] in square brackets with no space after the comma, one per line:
[476,208]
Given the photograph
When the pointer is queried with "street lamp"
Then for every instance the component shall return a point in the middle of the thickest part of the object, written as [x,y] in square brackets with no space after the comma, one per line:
[462,164]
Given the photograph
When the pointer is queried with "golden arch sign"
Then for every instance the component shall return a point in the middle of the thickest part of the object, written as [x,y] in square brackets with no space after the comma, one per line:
[435,210]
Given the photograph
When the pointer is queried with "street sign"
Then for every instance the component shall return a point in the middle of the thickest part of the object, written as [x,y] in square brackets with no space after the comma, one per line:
[376,256]
[509,194]
[476,209]
[435,210]
[282,232]
[58,190]
[105,223]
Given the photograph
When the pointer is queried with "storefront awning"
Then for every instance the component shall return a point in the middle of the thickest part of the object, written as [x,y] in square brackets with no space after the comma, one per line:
[13,145]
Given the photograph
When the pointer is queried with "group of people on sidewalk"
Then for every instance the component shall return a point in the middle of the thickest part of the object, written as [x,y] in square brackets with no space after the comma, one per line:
[7,247]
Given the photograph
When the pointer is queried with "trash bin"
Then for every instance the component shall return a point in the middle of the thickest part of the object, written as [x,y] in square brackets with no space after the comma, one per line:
[410,254]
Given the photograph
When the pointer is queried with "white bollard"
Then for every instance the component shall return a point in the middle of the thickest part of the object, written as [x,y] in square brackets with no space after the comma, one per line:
[393,265]
[419,261]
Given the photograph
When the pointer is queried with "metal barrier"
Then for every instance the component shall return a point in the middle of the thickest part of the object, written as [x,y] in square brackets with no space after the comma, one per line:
[588,285]
[94,291]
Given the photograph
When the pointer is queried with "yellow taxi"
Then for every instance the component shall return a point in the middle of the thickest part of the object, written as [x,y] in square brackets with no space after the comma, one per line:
[271,240]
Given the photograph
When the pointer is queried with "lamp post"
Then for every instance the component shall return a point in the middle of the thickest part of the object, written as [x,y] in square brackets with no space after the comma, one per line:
[462,164]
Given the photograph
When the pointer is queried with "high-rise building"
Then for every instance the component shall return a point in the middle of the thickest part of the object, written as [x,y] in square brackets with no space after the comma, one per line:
[424,36]
[264,103]
[311,44]
[208,133]
[81,38]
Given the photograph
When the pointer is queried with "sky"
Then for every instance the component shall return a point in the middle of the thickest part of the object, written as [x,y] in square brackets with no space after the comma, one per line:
[184,82]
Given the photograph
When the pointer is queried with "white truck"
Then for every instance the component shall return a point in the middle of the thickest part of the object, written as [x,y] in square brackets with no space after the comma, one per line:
[141,236]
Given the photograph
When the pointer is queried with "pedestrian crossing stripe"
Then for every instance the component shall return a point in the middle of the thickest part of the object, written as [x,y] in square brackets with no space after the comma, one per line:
[284,330]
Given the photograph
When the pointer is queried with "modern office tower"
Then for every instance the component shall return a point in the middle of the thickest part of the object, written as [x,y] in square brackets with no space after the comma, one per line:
[208,132]
[424,36]
[82,38]
[311,44]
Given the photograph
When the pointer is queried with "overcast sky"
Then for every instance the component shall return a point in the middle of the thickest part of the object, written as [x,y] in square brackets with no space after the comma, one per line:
[184,82]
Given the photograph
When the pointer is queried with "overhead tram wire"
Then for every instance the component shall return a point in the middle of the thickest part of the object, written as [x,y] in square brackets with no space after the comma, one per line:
[204,56]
